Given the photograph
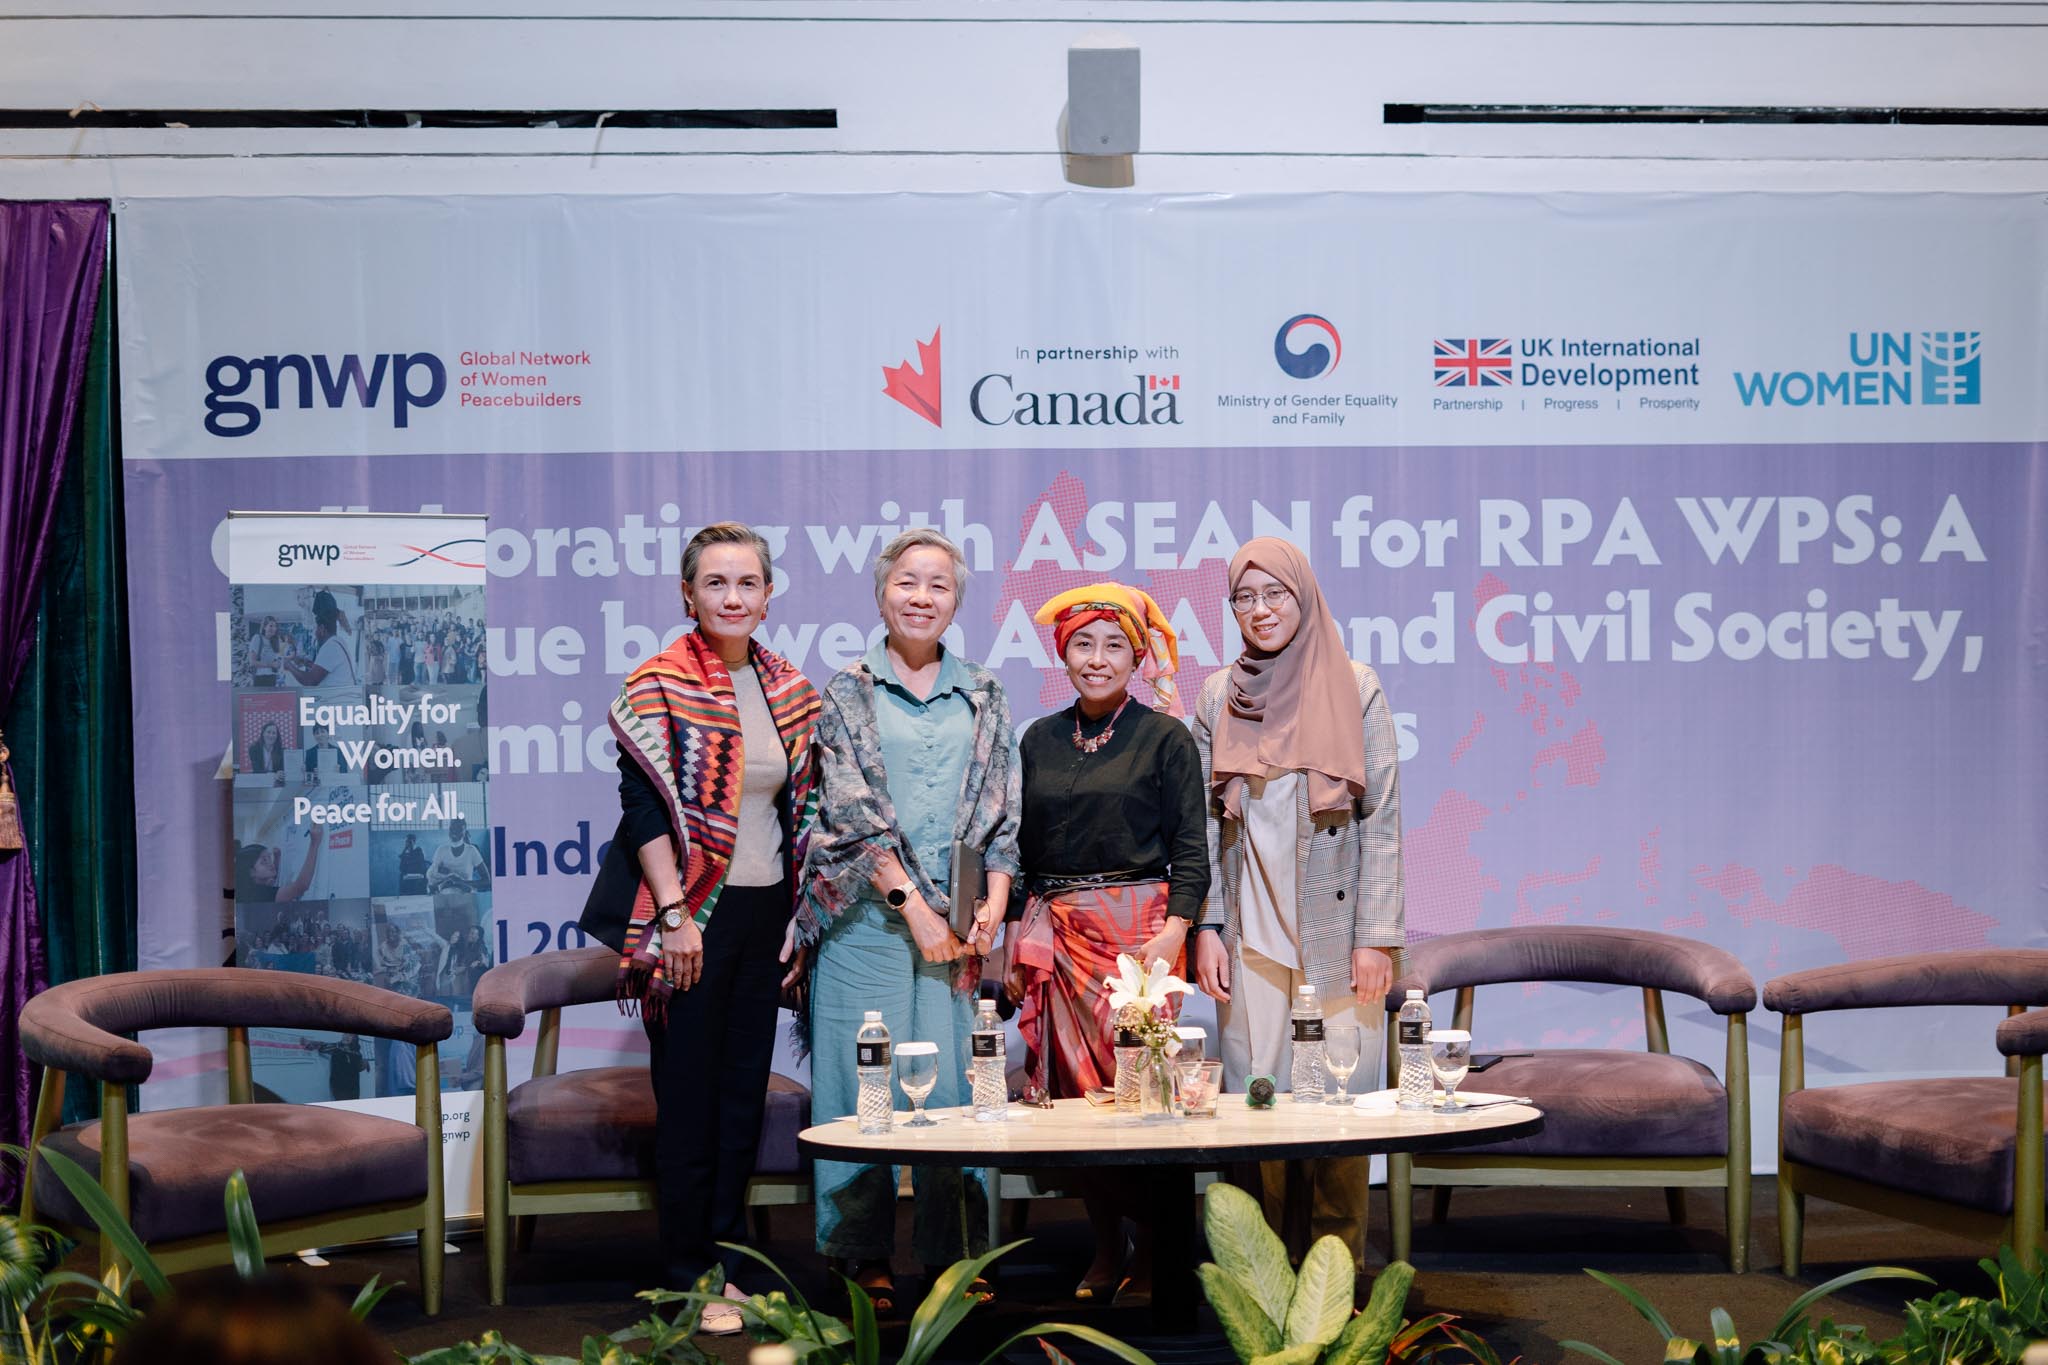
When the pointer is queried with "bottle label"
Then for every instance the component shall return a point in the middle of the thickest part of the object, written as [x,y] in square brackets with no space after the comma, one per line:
[1308,1030]
[871,1054]
[988,1044]
[1412,1031]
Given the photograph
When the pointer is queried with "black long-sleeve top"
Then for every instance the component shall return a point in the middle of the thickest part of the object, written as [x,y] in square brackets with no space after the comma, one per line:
[1134,805]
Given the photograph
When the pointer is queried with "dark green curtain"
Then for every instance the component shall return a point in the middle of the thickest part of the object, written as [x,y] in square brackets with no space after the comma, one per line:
[70,727]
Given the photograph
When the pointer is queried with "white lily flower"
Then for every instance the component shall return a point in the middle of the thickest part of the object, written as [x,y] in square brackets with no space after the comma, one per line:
[1130,986]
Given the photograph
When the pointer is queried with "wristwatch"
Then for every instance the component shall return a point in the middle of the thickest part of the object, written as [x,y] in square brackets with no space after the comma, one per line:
[672,916]
[899,896]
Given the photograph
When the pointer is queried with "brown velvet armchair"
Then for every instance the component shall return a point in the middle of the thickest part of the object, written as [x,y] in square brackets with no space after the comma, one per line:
[583,1141]
[1611,1117]
[317,1175]
[1960,1153]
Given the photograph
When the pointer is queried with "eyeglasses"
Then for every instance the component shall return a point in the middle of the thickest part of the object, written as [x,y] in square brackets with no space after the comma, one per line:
[1274,597]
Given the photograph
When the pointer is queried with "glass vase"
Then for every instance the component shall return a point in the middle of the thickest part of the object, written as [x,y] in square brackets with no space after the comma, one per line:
[1158,1087]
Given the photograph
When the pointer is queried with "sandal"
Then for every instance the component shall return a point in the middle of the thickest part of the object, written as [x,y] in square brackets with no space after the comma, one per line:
[876,1281]
[1093,1289]
[723,1319]
[979,1289]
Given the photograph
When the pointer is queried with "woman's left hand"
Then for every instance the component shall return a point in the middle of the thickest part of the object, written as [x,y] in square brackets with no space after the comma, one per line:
[1165,944]
[982,941]
[1372,974]
[795,954]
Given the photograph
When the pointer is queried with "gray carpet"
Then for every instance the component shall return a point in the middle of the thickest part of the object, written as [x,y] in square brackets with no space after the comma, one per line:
[1508,1263]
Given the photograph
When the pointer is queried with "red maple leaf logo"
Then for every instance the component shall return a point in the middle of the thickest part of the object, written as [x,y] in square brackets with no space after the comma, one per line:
[918,392]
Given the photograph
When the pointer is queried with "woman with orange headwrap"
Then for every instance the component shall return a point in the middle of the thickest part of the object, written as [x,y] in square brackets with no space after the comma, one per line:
[1115,859]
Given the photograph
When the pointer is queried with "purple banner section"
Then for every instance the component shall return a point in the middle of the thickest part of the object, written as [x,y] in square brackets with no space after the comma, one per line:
[1785,699]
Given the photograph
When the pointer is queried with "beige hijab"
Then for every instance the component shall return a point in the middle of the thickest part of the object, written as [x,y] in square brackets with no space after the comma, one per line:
[1295,708]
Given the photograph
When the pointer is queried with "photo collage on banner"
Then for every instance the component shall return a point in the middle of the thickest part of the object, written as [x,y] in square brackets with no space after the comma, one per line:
[360,705]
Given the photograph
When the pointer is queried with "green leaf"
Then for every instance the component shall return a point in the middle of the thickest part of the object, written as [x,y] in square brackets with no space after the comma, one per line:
[1102,1341]
[1366,1338]
[1797,1311]
[1250,1332]
[369,1296]
[818,1321]
[1476,1346]
[113,1226]
[1248,1249]
[1306,1353]
[24,1255]
[1638,1302]
[245,1239]
[1412,1332]
[1727,1347]
[867,1338]
[946,1306]
[1586,1348]
[1322,1294]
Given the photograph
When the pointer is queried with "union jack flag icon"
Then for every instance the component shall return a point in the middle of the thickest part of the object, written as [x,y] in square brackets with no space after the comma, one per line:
[1474,363]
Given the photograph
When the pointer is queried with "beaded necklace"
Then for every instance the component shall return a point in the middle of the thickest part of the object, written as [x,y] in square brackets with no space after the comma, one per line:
[1089,746]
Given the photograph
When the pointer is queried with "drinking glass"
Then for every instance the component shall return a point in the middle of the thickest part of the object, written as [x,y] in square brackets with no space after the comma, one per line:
[917,1071]
[1201,1081]
[1340,1056]
[1450,1057]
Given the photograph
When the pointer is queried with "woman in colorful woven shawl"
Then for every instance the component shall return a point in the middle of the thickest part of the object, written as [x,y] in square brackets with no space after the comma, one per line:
[1115,861]
[914,749]
[717,785]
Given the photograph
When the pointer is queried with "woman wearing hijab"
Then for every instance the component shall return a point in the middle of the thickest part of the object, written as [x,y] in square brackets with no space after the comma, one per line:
[1298,756]
[1115,859]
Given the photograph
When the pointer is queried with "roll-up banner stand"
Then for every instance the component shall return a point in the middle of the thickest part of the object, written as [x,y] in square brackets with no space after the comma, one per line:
[357,650]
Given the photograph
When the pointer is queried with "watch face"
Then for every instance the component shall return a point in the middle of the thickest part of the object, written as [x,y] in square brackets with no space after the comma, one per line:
[672,920]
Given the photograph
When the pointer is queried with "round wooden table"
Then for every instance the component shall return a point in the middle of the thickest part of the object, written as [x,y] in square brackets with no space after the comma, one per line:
[1075,1133]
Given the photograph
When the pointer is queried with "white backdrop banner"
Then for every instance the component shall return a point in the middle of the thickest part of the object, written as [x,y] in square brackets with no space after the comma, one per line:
[1697,538]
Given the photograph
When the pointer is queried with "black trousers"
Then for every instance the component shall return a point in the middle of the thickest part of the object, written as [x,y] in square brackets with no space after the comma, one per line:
[709,1060]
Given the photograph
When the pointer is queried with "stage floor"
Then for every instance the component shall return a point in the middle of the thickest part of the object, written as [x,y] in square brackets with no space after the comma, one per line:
[1508,1263]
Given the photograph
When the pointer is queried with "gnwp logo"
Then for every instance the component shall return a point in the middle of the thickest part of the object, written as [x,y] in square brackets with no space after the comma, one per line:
[332,383]
[288,555]
[1886,369]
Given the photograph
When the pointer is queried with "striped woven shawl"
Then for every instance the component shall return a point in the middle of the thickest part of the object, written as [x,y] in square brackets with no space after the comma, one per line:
[677,716]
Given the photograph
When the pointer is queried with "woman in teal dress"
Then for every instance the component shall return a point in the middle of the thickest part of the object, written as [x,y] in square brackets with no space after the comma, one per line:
[916,753]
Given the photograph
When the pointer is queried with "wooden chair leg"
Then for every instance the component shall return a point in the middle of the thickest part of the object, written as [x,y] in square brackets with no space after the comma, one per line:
[1440,1205]
[427,1113]
[2026,1185]
[1737,1179]
[433,1251]
[1400,1203]
[497,1195]
[49,1115]
[1791,1225]
[1674,1205]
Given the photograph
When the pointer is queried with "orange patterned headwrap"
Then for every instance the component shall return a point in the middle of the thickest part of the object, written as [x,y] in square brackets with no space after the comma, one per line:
[1153,639]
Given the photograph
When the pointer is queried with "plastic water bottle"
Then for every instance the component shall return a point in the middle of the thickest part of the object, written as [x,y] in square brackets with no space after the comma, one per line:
[990,1068]
[1418,1085]
[874,1110]
[1308,1046]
